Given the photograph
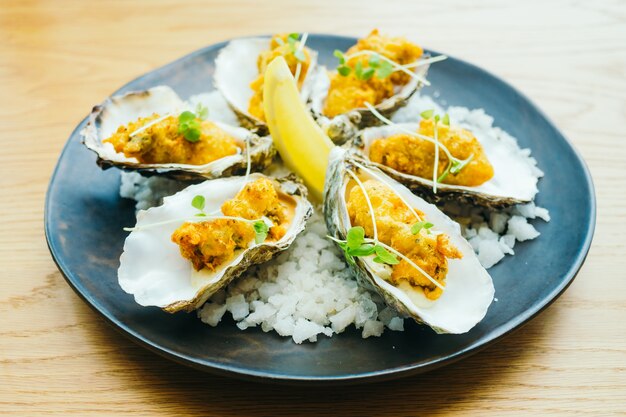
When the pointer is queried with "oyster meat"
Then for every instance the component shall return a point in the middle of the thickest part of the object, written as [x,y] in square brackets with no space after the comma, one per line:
[200,239]
[143,118]
[501,173]
[337,100]
[436,278]
[239,70]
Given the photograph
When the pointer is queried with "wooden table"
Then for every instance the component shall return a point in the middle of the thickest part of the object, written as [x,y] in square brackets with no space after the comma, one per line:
[58,58]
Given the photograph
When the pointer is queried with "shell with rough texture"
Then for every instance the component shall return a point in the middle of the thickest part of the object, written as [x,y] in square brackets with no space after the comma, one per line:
[514,180]
[236,67]
[344,127]
[116,111]
[469,288]
[154,272]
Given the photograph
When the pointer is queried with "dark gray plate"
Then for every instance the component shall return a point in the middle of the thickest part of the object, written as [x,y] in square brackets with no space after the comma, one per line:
[85,215]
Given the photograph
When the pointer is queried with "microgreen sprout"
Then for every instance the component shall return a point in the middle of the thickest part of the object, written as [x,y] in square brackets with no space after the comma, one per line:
[383,256]
[202,111]
[292,41]
[295,48]
[455,165]
[357,245]
[379,65]
[298,52]
[427,114]
[342,68]
[189,126]
[382,68]
[260,229]
[198,202]
[417,227]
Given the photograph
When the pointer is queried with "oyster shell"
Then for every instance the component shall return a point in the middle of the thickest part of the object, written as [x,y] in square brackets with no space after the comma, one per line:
[120,110]
[152,268]
[513,182]
[468,288]
[345,126]
[236,67]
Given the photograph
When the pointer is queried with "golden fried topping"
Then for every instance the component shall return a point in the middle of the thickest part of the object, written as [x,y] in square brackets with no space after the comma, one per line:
[393,222]
[414,156]
[260,199]
[390,211]
[210,243]
[277,48]
[161,142]
[349,92]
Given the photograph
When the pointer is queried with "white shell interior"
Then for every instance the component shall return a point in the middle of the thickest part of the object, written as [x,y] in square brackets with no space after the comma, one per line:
[513,177]
[236,67]
[121,110]
[469,288]
[151,266]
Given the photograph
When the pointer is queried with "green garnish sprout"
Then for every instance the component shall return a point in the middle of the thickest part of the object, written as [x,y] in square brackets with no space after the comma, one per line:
[375,66]
[202,111]
[379,65]
[189,126]
[292,41]
[260,229]
[415,229]
[198,202]
[356,245]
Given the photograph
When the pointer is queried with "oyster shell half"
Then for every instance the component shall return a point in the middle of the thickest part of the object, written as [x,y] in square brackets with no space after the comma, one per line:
[468,287]
[513,182]
[117,111]
[345,126]
[236,67]
[152,268]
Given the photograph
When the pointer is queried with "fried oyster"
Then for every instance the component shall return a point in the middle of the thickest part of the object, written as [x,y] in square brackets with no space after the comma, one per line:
[406,249]
[211,243]
[200,239]
[157,140]
[394,221]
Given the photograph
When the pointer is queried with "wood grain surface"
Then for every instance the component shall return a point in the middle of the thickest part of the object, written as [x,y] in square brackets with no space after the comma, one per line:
[58,58]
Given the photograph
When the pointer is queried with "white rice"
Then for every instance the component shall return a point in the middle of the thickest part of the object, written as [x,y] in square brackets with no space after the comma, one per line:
[493,234]
[307,291]
[147,191]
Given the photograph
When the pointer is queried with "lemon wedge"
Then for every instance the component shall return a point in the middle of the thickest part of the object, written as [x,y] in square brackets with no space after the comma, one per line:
[301,143]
